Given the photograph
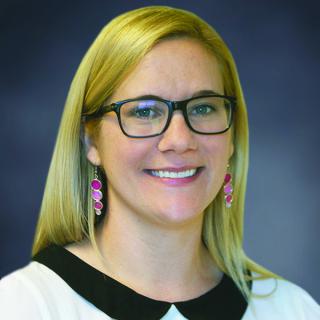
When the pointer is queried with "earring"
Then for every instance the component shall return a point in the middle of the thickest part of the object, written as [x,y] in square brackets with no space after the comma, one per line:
[228,189]
[96,194]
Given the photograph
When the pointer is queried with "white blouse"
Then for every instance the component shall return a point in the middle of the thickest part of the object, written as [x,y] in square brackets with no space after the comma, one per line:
[37,292]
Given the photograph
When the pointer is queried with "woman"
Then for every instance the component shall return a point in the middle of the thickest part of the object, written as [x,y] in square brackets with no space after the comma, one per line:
[143,207]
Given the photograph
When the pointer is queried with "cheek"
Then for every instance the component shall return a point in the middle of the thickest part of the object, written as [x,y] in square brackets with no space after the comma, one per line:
[119,153]
[217,153]
[217,148]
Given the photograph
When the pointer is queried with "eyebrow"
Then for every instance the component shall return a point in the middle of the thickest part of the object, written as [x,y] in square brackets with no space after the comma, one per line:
[195,94]
[204,92]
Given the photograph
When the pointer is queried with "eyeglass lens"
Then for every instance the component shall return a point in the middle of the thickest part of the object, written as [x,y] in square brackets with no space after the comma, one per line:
[149,117]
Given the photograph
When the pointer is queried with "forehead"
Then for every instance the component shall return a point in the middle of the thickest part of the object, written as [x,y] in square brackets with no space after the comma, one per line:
[173,69]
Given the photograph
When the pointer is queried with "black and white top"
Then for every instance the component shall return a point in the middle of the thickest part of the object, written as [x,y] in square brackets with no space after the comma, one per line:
[58,285]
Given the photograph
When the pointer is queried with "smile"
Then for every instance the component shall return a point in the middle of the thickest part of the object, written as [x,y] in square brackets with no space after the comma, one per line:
[174,175]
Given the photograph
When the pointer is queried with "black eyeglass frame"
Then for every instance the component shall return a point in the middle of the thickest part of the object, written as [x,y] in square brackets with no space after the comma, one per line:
[172,105]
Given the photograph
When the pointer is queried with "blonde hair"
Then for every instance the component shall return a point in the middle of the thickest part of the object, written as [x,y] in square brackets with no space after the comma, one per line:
[66,213]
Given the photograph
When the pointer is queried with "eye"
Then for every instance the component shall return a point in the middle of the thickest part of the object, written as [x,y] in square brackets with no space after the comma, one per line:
[202,110]
[144,110]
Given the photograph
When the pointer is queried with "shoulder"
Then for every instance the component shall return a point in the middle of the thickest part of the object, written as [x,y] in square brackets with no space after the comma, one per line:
[280,299]
[36,292]
[20,294]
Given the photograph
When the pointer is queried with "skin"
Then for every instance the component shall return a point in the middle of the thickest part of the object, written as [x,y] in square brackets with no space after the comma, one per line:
[151,239]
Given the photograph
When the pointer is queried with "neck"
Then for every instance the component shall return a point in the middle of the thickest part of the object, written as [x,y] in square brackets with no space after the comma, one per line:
[163,263]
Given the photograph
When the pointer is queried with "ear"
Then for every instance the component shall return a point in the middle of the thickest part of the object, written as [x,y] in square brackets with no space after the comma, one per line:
[91,150]
[231,149]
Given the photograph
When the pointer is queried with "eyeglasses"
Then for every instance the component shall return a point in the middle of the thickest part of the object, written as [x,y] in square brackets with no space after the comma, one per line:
[150,116]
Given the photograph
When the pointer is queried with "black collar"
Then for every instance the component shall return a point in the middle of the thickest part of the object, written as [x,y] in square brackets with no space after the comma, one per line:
[120,302]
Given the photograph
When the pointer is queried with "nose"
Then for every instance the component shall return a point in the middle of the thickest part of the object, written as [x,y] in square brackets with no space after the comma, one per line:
[178,137]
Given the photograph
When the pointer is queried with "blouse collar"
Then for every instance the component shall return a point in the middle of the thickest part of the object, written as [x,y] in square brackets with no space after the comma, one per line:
[118,301]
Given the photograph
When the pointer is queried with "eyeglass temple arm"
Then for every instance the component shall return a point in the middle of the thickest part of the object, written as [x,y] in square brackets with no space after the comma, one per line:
[101,111]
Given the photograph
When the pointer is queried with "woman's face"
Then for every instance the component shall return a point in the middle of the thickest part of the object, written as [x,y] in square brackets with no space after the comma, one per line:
[173,70]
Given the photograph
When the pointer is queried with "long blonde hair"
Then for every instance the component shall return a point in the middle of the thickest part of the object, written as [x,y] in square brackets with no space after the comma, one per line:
[66,213]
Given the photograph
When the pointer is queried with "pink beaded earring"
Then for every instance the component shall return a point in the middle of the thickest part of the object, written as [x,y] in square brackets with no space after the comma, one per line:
[96,194]
[228,189]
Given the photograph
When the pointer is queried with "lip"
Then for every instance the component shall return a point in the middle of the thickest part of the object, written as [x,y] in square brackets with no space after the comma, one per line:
[174,169]
[175,181]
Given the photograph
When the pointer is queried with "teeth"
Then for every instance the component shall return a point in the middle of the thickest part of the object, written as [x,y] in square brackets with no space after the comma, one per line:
[173,175]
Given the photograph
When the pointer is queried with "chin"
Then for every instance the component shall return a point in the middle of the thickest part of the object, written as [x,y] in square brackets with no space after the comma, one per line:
[179,216]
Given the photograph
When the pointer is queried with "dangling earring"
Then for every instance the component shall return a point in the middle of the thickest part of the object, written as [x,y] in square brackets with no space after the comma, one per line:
[96,194]
[228,189]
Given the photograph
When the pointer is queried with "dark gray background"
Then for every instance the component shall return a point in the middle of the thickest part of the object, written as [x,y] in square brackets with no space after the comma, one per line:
[276,47]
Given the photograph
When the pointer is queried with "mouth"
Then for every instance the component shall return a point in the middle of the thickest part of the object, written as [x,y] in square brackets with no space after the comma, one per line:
[173,173]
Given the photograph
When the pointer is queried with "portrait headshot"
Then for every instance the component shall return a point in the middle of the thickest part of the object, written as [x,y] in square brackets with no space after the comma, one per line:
[159,160]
